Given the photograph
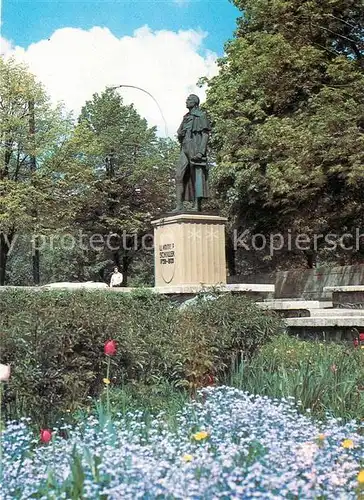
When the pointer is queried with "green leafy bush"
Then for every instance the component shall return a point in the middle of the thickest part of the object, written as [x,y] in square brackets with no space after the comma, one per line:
[54,342]
[327,378]
[223,331]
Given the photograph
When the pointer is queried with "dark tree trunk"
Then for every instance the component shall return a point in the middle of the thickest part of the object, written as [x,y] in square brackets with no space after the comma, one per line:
[230,256]
[116,259]
[33,168]
[310,258]
[4,252]
[36,265]
[5,242]
[126,263]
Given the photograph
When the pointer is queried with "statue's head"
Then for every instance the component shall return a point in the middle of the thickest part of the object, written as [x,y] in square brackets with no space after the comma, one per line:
[192,101]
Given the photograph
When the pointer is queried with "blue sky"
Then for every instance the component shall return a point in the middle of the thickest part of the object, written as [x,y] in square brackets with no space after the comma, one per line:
[76,48]
[25,22]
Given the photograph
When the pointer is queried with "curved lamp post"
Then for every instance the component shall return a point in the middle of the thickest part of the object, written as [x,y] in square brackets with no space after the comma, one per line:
[150,95]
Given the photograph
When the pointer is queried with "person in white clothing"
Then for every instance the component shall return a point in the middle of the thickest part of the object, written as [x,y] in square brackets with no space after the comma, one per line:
[116,278]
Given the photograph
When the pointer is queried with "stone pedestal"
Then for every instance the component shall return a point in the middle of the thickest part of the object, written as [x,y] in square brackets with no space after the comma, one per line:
[189,250]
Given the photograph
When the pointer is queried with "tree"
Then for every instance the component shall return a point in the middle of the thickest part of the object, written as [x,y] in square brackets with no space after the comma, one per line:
[32,133]
[288,114]
[132,180]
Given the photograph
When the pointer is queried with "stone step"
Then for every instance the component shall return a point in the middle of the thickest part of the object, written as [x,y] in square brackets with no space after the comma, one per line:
[322,322]
[330,313]
[348,288]
[285,304]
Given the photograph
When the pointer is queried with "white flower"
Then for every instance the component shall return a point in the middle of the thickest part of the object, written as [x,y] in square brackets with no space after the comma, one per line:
[4,372]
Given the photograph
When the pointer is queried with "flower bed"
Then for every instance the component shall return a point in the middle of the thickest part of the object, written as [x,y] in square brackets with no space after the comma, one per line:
[54,343]
[229,445]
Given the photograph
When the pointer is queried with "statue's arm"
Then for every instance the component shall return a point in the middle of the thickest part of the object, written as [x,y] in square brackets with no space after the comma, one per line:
[204,141]
[202,147]
[181,132]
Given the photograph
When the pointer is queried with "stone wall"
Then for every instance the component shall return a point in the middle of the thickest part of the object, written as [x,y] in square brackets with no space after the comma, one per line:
[307,284]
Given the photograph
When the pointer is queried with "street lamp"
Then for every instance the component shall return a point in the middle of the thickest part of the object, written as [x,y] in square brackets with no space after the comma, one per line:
[150,95]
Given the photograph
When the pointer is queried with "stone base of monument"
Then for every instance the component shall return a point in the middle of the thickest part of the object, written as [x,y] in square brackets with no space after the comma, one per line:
[189,250]
[351,296]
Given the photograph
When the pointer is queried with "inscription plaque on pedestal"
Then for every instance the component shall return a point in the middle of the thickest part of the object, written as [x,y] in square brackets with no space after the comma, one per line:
[166,255]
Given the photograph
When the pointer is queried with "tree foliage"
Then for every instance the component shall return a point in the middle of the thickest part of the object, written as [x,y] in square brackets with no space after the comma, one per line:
[132,166]
[132,181]
[288,113]
[33,165]
[108,174]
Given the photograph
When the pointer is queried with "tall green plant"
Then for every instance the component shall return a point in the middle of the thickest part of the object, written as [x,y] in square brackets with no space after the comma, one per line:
[325,378]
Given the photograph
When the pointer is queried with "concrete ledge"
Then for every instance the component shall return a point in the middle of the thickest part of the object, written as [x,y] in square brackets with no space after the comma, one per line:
[71,287]
[311,322]
[347,296]
[167,290]
[282,305]
[89,285]
[351,288]
[192,289]
[340,312]
[189,217]
[28,288]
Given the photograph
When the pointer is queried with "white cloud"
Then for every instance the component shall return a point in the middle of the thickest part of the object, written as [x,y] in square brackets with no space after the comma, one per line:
[5,46]
[74,63]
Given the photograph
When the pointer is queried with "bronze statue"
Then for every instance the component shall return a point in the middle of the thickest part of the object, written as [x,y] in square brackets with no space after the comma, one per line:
[192,168]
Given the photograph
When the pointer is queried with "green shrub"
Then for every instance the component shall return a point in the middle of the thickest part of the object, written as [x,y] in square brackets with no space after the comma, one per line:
[327,378]
[223,331]
[54,342]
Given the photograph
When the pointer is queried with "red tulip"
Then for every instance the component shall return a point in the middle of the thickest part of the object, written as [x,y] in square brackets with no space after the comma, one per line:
[361,337]
[110,348]
[45,435]
[356,342]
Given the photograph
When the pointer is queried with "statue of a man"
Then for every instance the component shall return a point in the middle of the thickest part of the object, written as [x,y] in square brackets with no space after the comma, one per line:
[192,169]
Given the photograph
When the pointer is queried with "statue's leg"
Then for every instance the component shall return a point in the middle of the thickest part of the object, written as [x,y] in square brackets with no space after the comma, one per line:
[180,175]
[198,189]
[179,196]
[197,204]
